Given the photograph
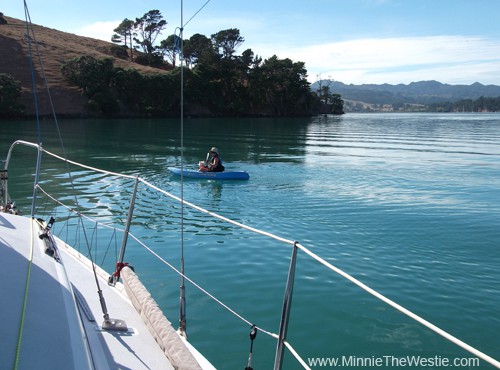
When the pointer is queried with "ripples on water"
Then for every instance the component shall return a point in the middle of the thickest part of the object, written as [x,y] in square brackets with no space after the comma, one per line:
[409,204]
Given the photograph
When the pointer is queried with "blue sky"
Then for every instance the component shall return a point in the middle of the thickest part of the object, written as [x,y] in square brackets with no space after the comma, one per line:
[352,41]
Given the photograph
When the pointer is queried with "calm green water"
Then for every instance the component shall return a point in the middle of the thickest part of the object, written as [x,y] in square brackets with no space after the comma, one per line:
[407,203]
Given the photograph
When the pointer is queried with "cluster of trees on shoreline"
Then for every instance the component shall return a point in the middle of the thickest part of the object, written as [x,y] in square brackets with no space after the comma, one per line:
[217,80]
[227,87]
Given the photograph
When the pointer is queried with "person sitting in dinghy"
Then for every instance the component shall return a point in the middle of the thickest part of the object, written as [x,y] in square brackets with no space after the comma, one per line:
[213,163]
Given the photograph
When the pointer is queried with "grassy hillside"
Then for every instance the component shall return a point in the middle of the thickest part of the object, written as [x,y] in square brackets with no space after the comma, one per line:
[54,47]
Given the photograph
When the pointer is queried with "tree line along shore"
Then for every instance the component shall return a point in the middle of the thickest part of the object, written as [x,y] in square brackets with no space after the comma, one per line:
[217,80]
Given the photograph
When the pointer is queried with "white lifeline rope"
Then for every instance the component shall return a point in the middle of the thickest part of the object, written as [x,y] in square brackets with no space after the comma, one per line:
[296,355]
[403,310]
[88,167]
[228,220]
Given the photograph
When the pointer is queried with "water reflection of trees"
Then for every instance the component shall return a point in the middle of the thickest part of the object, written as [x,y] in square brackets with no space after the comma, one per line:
[253,140]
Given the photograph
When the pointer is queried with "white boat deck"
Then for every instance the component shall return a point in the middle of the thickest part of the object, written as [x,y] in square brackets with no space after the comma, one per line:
[50,316]
[59,331]
[132,349]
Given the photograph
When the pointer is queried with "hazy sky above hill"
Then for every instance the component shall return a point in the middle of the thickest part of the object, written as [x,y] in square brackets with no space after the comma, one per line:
[355,41]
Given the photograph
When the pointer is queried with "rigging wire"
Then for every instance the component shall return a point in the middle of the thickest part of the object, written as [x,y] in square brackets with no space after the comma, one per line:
[182,289]
[32,69]
[29,35]
[195,14]
[35,99]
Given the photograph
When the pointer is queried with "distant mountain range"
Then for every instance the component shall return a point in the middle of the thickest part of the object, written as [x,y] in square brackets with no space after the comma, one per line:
[423,93]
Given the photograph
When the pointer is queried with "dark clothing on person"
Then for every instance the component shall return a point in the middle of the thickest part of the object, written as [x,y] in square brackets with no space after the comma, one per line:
[219,167]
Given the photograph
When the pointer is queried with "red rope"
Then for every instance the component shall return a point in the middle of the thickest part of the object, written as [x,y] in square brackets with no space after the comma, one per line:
[119,266]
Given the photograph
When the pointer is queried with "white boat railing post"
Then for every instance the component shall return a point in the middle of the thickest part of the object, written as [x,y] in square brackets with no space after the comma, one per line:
[37,176]
[129,220]
[285,313]
[114,278]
